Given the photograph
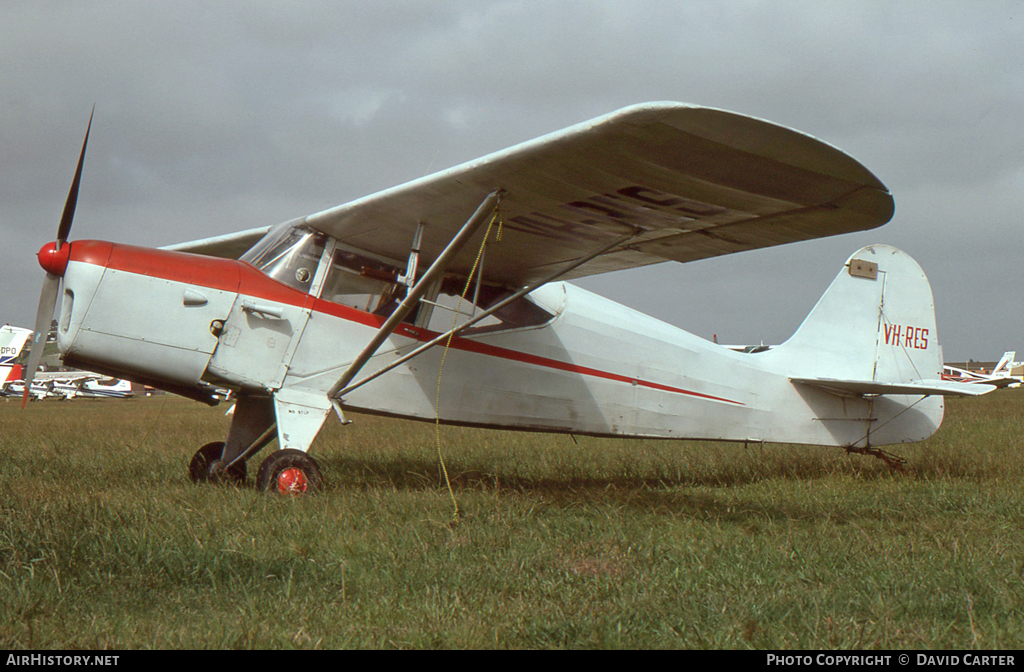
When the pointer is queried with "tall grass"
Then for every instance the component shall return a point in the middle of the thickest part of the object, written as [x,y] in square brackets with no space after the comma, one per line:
[104,543]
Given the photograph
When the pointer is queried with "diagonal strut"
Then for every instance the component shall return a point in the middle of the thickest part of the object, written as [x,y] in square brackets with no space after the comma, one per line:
[419,289]
[342,389]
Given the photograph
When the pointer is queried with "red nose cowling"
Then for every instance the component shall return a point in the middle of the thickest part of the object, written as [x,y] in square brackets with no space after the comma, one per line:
[52,260]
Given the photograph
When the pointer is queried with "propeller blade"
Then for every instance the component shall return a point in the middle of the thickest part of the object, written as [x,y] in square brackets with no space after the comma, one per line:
[69,206]
[44,316]
[51,286]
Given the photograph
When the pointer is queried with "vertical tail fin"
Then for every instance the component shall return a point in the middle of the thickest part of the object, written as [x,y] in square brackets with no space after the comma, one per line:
[872,337]
[876,322]
[1006,362]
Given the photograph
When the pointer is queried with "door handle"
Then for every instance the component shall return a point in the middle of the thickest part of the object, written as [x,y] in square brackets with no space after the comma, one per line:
[263,310]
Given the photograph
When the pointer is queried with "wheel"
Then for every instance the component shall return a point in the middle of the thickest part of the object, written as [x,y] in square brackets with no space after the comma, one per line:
[289,472]
[206,466]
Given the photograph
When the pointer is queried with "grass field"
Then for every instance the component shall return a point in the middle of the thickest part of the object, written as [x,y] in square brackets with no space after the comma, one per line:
[104,542]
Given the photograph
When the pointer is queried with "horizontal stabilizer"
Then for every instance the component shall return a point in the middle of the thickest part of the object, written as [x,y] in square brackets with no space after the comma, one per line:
[1001,382]
[869,387]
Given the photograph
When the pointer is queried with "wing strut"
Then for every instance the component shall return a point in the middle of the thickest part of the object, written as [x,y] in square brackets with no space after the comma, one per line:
[490,311]
[420,288]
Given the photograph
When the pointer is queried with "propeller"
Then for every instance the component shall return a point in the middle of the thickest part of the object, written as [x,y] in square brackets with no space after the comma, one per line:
[54,260]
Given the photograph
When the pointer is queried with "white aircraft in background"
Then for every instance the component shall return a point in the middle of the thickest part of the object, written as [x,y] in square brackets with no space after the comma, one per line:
[16,388]
[12,342]
[291,325]
[58,384]
[106,388]
[91,386]
[1006,373]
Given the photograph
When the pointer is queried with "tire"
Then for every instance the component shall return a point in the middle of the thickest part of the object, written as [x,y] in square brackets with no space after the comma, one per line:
[289,472]
[206,466]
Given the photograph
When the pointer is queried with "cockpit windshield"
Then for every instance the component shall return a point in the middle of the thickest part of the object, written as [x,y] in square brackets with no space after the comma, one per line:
[288,254]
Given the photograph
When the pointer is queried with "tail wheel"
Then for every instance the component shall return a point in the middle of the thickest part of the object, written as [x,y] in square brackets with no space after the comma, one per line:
[207,467]
[289,472]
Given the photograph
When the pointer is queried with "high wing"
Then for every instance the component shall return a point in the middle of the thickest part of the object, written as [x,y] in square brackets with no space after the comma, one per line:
[229,246]
[66,376]
[689,182]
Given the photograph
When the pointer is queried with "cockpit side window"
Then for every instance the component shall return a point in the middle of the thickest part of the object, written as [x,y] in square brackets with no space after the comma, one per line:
[372,286]
[362,283]
[289,255]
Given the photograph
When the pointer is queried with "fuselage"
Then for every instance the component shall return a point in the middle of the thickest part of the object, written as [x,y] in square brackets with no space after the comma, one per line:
[192,324]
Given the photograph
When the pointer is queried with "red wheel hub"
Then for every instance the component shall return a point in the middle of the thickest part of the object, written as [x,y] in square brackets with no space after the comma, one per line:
[292,481]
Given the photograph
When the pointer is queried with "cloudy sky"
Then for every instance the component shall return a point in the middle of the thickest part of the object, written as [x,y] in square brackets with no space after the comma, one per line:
[213,117]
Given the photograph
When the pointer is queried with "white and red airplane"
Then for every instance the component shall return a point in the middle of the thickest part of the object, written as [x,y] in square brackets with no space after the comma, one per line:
[12,342]
[352,307]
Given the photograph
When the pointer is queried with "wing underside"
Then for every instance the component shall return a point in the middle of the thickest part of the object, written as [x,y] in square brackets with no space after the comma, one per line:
[688,183]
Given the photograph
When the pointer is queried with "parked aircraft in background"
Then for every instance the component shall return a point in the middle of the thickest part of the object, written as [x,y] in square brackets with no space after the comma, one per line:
[291,324]
[16,388]
[107,388]
[13,341]
[14,351]
[69,385]
[91,386]
[1006,373]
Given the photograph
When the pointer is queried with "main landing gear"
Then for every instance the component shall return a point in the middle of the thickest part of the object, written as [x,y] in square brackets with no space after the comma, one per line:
[256,422]
[286,472]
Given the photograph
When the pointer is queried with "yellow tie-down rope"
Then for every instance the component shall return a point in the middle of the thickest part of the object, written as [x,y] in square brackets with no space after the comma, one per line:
[444,355]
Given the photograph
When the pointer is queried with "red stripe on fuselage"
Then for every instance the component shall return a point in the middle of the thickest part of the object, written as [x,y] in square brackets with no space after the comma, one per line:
[235,276]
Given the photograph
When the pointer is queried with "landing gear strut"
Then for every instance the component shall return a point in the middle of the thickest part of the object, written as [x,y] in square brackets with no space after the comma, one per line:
[289,470]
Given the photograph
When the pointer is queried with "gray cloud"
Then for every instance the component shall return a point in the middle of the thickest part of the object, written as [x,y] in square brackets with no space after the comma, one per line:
[217,116]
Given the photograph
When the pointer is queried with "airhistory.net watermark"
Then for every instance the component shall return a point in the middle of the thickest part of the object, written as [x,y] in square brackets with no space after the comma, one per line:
[58,660]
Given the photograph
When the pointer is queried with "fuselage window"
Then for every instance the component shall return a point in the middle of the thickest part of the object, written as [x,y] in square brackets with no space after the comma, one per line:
[372,286]
[449,309]
[361,283]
